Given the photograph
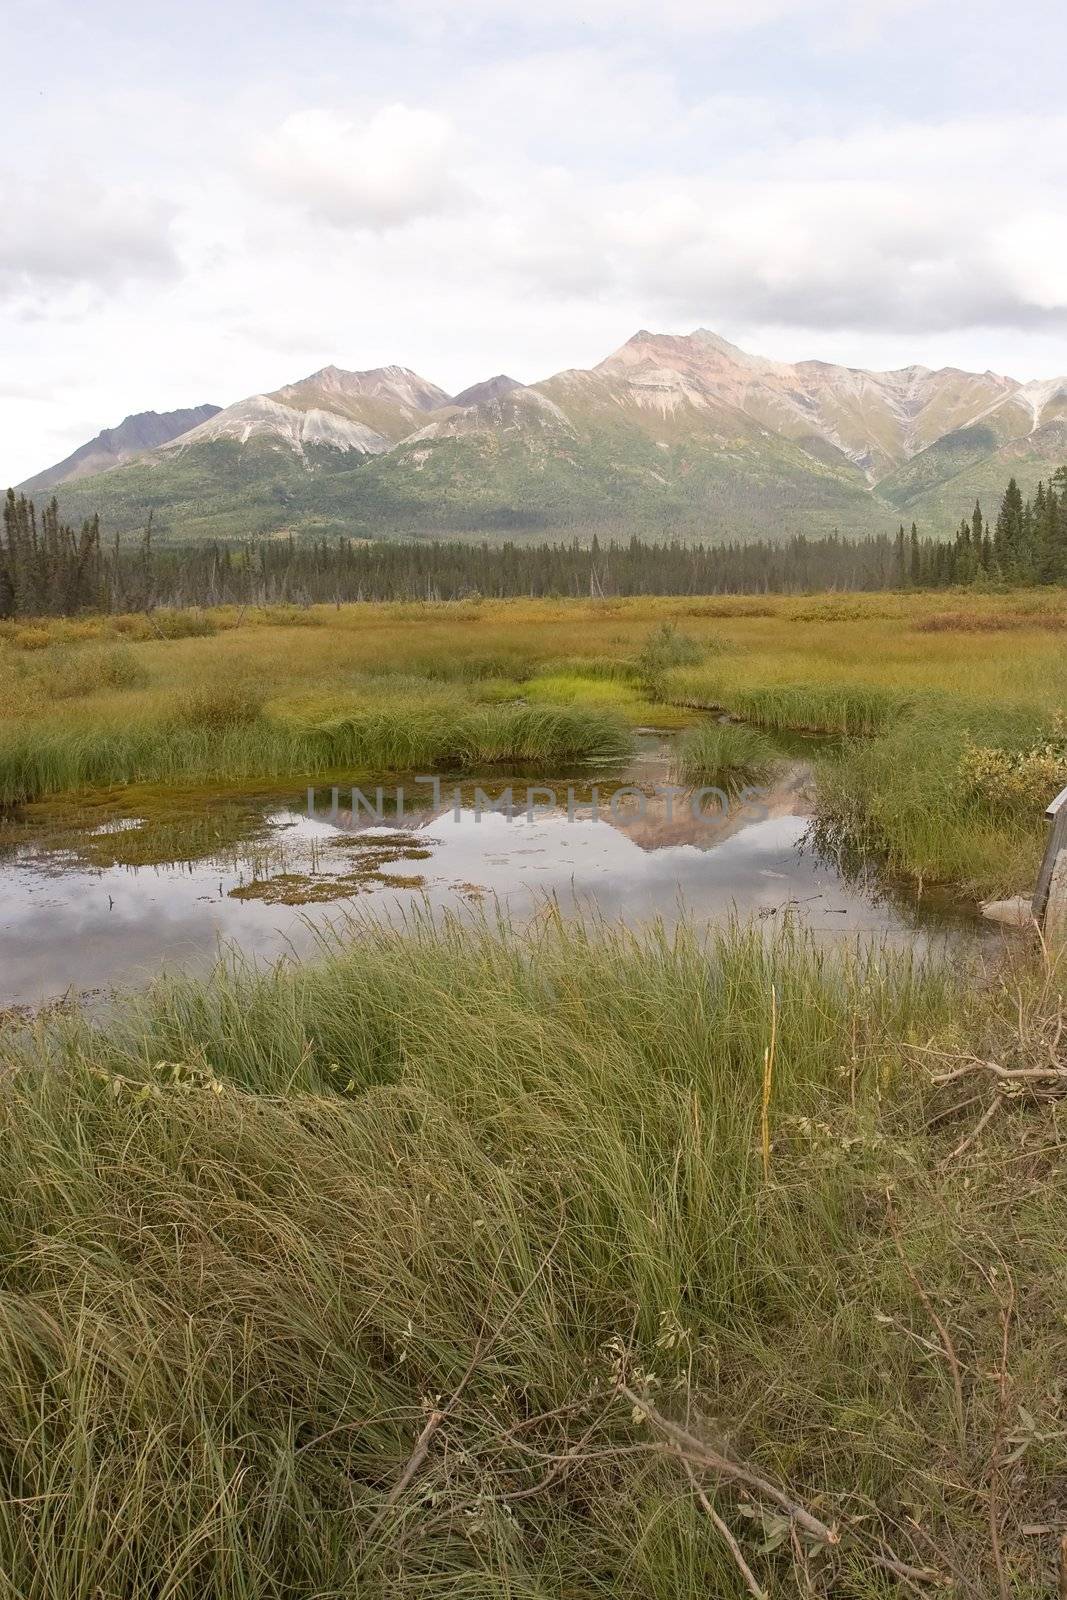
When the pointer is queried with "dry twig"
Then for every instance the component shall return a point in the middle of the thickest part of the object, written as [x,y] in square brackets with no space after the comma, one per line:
[730,1542]
[700,1454]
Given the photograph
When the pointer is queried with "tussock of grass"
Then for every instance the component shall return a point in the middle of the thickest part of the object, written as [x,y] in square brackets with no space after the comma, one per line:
[723,755]
[218,707]
[538,734]
[254,1228]
[665,648]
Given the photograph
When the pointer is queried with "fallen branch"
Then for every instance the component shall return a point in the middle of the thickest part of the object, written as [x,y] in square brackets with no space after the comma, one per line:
[693,1452]
[1053,1074]
[965,1143]
[701,1454]
[415,1460]
[904,1570]
[728,1539]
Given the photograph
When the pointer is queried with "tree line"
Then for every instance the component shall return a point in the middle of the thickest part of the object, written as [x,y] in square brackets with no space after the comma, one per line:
[1027,544]
[48,568]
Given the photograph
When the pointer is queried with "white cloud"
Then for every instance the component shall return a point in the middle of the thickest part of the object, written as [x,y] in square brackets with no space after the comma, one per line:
[519,188]
[377,173]
[695,17]
[64,231]
[886,230]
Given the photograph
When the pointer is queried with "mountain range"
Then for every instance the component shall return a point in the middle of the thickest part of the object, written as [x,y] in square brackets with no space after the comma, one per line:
[684,435]
[134,437]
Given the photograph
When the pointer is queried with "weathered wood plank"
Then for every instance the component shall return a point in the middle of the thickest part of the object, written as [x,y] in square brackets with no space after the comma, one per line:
[1055,929]
[1057,845]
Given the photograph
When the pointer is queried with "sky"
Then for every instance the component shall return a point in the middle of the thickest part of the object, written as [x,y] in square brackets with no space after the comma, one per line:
[206,201]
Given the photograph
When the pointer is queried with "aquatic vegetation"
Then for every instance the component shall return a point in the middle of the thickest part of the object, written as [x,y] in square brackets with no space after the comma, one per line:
[908,798]
[723,755]
[314,888]
[219,734]
[532,734]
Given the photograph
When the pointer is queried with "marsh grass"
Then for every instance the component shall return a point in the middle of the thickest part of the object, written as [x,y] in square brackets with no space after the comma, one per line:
[666,647]
[221,733]
[218,707]
[854,710]
[255,1227]
[69,672]
[723,755]
[395,676]
[908,798]
[615,692]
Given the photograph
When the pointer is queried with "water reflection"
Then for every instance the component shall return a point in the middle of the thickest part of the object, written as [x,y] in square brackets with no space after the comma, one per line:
[104,901]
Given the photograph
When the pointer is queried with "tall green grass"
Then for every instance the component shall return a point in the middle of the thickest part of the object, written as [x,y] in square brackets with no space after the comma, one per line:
[723,755]
[850,709]
[255,1229]
[221,733]
[906,798]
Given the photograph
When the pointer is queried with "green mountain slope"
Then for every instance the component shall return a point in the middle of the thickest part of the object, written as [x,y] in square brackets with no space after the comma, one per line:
[1035,456]
[669,435]
[516,464]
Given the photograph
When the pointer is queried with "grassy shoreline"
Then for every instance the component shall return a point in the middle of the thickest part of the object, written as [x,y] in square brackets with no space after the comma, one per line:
[261,1229]
[907,683]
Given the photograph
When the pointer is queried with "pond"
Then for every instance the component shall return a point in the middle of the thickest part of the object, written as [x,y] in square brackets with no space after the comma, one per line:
[104,893]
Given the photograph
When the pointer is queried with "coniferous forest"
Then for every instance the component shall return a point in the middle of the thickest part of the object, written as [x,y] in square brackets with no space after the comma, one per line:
[48,568]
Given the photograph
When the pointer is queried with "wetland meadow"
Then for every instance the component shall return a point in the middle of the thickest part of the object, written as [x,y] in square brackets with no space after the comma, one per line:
[652,1204]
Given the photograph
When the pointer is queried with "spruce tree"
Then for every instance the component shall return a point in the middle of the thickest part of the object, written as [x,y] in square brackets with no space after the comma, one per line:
[1008,535]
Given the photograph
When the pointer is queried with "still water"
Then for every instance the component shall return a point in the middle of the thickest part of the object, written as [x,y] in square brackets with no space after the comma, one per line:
[106,896]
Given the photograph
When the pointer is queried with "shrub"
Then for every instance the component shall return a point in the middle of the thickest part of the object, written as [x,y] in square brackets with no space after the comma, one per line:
[665,647]
[1018,780]
[30,638]
[217,706]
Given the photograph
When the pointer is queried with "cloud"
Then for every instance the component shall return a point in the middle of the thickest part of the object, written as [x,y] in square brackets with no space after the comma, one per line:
[855,17]
[64,231]
[507,186]
[380,173]
[888,230]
